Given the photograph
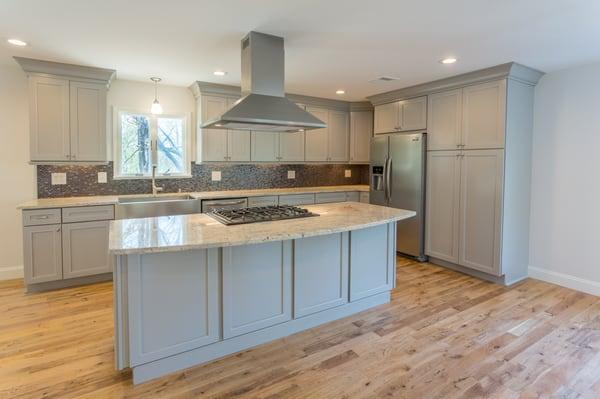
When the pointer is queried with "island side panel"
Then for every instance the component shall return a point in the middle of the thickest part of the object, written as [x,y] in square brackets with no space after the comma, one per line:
[173,303]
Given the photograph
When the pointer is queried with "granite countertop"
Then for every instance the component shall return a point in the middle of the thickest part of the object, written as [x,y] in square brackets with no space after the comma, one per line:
[198,231]
[66,202]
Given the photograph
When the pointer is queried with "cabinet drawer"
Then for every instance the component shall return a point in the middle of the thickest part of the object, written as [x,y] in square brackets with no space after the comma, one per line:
[88,213]
[364,197]
[322,198]
[353,196]
[38,217]
[297,199]
[263,201]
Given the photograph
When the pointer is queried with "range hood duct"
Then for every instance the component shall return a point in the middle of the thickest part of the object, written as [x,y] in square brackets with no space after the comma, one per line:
[263,106]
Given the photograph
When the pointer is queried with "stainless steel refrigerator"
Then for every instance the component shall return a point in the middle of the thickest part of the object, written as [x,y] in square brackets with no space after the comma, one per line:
[397,178]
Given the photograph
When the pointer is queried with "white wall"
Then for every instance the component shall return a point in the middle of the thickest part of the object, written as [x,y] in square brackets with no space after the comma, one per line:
[17,177]
[565,203]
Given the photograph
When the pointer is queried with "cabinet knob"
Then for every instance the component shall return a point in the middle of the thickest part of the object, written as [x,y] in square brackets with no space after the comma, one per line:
[58,229]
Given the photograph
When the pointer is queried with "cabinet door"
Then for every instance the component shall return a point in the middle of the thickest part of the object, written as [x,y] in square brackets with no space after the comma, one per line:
[317,139]
[387,118]
[268,200]
[265,146]
[484,115]
[480,210]
[257,287]
[372,260]
[85,249]
[291,147]
[42,253]
[320,273]
[414,114]
[49,119]
[339,135]
[442,213]
[213,141]
[88,121]
[444,115]
[172,310]
[297,199]
[361,131]
[238,142]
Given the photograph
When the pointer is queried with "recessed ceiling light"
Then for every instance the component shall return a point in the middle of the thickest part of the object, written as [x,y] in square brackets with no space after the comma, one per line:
[219,73]
[17,42]
[449,60]
[340,92]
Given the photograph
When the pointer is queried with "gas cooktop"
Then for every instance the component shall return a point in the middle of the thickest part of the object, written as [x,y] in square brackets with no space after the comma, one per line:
[259,214]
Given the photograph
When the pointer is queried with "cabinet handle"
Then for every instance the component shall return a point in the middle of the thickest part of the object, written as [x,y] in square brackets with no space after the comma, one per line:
[58,229]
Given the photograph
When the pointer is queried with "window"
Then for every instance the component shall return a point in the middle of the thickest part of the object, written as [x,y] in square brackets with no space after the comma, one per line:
[144,140]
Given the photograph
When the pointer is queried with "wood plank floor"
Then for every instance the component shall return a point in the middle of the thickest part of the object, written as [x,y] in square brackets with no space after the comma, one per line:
[444,335]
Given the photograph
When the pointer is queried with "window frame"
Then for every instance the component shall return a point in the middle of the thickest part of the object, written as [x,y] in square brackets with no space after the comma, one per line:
[153,126]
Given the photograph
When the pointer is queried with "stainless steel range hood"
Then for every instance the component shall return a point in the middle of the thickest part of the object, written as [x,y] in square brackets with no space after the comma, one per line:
[263,106]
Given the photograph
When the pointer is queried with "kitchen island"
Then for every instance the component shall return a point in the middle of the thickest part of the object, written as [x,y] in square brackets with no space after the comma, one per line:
[188,289]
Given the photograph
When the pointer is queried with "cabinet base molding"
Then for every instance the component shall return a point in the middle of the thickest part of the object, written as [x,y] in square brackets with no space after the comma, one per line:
[220,349]
[504,280]
[72,282]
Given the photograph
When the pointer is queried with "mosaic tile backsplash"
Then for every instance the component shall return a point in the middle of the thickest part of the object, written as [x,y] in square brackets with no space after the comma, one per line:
[82,180]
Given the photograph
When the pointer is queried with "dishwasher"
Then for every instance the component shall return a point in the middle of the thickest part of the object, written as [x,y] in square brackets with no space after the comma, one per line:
[226,203]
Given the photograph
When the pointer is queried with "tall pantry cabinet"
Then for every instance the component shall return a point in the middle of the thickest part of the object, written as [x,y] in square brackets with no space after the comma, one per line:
[478,176]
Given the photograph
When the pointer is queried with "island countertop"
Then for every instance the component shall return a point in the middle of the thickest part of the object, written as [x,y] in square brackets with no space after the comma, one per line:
[200,231]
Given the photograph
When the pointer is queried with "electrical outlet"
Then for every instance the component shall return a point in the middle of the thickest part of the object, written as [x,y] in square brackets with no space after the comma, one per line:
[291,174]
[102,178]
[348,173]
[58,178]
[215,175]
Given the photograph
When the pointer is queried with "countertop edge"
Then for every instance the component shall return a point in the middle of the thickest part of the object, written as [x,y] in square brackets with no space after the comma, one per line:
[275,237]
[113,199]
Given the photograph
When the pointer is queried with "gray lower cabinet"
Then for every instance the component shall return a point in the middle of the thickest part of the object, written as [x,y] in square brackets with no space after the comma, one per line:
[320,273]
[257,287]
[84,248]
[372,261]
[42,253]
[297,199]
[353,196]
[267,200]
[172,309]
[364,197]
[323,198]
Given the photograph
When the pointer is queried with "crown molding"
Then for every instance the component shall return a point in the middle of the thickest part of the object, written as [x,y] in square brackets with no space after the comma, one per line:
[33,66]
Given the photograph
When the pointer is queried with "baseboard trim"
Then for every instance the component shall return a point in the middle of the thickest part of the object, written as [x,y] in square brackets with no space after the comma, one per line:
[11,272]
[565,280]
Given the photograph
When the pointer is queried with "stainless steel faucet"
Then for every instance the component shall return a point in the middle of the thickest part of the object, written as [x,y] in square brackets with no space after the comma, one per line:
[155,188]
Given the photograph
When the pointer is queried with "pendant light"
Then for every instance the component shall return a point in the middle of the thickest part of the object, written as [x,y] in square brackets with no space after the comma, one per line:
[156,107]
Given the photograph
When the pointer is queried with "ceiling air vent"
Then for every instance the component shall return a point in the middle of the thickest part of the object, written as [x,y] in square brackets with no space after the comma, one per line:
[383,79]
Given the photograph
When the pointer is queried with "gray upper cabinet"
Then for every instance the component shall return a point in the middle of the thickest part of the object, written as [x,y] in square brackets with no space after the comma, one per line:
[339,135]
[49,119]
[85,249]
[317,139]
[219,145]
[484,115]
[265,146]
[401,116]
[291,147]
[361,131]
[42,253]
[88,121]
[67,115]
[444,120]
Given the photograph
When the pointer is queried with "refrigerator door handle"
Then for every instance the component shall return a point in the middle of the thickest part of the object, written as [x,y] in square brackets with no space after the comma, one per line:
[388,179]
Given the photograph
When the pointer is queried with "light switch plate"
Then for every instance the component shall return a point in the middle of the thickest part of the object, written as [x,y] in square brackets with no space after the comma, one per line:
[58,178]
[348,173]
[291,174]
[102,177]
[215,175]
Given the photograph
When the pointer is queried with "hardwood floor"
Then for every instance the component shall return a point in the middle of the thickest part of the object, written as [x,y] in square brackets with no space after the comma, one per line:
[444,335]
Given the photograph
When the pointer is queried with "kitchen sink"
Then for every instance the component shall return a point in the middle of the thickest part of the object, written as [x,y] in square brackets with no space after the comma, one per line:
[162,205]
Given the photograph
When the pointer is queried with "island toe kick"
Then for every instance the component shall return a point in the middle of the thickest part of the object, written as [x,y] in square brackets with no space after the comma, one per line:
[177,309]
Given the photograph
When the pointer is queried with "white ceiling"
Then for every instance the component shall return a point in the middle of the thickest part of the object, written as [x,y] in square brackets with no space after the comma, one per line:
[330,44]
